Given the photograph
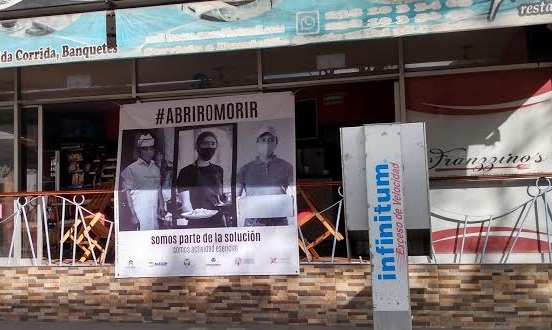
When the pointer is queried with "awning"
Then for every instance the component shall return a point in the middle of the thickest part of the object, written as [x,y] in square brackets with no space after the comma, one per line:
[214,26]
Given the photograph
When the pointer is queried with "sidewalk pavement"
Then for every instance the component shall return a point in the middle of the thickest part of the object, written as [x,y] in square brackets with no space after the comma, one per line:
[76,325]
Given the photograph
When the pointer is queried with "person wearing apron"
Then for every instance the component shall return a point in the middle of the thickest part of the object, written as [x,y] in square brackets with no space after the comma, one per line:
[140,184]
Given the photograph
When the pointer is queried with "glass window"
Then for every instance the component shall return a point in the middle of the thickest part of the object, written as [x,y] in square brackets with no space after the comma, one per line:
[197,71]
[539,43]
[6,228]
[465,49]
[6,156]
[6,84]
[330,60]
[29,149]
[6,179]
[76,80]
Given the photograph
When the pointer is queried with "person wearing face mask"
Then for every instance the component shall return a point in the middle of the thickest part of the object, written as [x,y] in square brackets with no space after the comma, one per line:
[265,175]
[199,184]
[140,185]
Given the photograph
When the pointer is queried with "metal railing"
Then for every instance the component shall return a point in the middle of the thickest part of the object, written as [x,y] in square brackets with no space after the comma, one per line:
[50,242]
[38,218]
[541,190]
[70,238]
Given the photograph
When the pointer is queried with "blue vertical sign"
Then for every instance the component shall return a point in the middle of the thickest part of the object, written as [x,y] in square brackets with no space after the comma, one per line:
[387,229]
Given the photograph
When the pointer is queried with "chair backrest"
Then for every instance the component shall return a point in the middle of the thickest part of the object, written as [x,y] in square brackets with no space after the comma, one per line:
[99,227]
[265,206]
[98,202]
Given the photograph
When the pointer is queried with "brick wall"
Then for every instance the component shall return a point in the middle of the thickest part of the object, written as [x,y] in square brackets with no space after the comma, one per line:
[450,296]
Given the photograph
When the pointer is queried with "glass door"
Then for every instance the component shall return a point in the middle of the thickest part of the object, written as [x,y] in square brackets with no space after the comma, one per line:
[30,179]
[7,180]
[20,173]
[29,152]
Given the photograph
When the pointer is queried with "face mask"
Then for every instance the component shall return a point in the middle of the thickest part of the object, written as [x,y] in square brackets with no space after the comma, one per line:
[264,152]
[146,154]
[206,153]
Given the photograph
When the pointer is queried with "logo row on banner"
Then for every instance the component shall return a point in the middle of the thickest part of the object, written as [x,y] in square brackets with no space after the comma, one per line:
[214,26]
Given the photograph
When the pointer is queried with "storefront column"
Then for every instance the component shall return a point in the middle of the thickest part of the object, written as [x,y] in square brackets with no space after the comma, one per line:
[402,92]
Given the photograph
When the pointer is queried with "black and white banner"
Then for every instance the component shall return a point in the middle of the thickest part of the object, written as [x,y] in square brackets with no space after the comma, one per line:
[207,187]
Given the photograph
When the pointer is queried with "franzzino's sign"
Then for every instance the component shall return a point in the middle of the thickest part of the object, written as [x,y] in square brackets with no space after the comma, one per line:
[503,131]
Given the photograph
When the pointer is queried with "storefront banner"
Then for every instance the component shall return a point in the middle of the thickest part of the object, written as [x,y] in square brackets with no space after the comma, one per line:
[8,5]
[207,187]
[214,26]
[228,25]
[54,39]
[485,124]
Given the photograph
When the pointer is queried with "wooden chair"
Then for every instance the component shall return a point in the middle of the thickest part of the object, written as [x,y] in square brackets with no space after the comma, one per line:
[98,202]
[305,217]
[98,230]
[96,227]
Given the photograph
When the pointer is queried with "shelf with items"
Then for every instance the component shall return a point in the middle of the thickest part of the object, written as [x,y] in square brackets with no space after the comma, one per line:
[87,165]
[50,170]
[75,164]
[109,167]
